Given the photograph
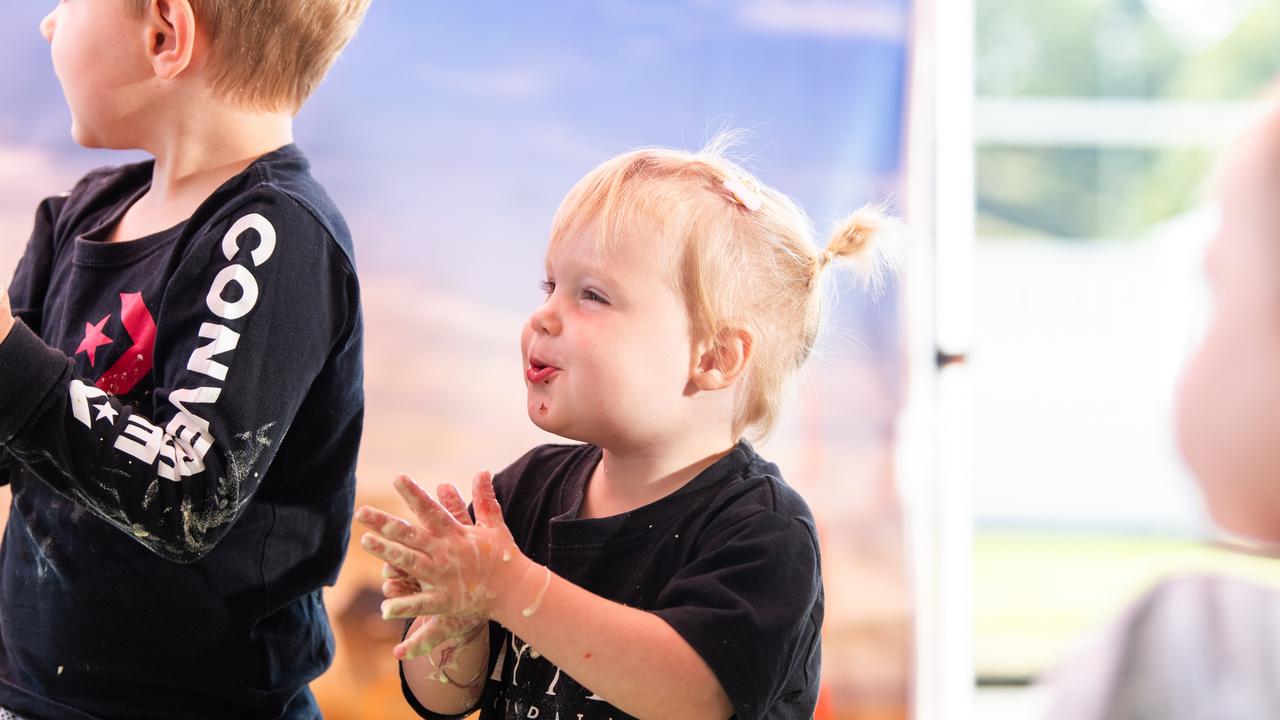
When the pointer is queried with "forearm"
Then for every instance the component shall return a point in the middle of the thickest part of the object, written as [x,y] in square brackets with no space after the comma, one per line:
[449,679]
[618,652]
[166,484]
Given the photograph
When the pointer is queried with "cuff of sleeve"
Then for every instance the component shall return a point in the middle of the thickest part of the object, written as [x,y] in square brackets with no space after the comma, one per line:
[29,369]
[722,655]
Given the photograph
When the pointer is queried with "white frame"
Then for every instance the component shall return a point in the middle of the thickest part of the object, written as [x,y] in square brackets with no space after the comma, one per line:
[935,435]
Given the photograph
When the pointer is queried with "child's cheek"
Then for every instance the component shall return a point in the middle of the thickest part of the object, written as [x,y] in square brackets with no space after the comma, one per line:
[1200,406]
[526,334]
[1228,428]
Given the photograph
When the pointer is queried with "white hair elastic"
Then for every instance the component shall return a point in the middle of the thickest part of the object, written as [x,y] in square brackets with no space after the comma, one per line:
[743,191]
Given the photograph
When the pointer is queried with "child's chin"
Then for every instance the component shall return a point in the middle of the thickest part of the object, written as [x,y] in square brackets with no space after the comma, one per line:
[83,137]
[88,139]
[550,422]
[541,415]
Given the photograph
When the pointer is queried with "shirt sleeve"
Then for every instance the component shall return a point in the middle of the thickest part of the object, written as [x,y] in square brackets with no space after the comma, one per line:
[250,317]
[30,284]
[30,281]
[747,606]
[1194,646]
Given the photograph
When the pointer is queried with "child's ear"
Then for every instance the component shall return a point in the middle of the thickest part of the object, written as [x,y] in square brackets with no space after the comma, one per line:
[171,36]
[721,361]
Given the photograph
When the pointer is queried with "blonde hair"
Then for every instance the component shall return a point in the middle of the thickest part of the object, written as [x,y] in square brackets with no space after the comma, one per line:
[743,255]
[272,54]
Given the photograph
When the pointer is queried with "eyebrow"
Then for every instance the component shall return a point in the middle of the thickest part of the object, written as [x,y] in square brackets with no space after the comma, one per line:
[591,269]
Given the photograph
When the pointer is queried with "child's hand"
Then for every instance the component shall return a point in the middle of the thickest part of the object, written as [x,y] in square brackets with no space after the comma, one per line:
[451,633]
[435,630]
[448,564]
[6,313]
[397,583]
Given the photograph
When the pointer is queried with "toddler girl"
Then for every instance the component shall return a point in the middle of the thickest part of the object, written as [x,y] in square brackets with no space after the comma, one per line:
[659,567]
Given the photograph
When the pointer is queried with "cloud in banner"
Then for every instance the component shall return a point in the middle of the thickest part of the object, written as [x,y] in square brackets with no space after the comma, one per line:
[875,20]
[27,175]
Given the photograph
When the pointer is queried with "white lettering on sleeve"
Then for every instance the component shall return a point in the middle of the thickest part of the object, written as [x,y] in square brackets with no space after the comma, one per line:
[194,395]
[140,439]
[182,446]
[81,394]
[225,309]
[266,238]
[224,340]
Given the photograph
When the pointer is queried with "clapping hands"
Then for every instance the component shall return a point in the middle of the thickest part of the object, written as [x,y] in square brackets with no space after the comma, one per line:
[446,568]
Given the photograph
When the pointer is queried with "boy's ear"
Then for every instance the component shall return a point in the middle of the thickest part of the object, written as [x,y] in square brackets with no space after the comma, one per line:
[721,361]
[171,36]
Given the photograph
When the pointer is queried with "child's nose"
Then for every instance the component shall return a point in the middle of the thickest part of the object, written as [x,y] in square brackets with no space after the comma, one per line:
[46,26]
[545,320]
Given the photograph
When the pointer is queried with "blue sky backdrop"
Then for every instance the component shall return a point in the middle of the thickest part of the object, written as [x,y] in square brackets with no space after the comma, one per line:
[449,132]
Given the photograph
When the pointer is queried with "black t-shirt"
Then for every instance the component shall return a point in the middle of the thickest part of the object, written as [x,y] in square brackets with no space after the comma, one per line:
[179,421]
[730,560]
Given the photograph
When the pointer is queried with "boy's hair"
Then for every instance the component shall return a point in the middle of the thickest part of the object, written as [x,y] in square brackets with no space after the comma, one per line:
[742,255]
[272,54]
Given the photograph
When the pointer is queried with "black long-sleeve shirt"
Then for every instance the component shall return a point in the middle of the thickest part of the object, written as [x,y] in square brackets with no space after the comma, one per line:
[179,421]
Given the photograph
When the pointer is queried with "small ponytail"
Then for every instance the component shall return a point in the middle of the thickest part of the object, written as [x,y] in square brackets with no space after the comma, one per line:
[869,241]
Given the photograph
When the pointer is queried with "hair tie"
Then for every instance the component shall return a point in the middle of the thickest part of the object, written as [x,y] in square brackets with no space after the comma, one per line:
[744,192]
[824,259]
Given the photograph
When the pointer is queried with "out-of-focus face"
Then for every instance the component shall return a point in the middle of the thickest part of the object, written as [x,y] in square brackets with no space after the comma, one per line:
[608,355]
[98,54]
[1229,403]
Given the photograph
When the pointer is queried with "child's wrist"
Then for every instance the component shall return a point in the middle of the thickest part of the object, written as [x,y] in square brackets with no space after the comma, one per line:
[521,585]
[453,660]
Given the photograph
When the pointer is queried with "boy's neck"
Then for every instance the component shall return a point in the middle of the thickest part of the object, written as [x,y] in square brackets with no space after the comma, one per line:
[194,155]
[628,479]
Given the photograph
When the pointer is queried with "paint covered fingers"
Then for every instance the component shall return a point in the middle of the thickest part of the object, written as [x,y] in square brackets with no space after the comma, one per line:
[414,562]
[447,565]
[439,630]
[398,583]
[452,501]
[433,516]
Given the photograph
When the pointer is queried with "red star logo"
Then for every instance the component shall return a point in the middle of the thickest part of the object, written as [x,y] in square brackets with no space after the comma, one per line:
[137,361]
[94,338]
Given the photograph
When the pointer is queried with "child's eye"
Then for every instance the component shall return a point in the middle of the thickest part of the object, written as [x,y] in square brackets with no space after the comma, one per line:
[594,296]
[548,287]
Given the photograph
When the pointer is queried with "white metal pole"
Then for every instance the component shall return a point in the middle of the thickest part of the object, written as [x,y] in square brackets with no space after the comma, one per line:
[936,435]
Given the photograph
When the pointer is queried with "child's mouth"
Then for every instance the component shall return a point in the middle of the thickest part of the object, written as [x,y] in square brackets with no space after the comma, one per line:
[537,372]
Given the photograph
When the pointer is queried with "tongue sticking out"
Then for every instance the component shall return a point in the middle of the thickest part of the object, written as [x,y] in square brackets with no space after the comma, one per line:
[539,374]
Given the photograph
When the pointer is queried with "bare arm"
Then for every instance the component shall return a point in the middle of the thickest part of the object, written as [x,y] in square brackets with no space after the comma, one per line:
[620,653]
[450,678]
